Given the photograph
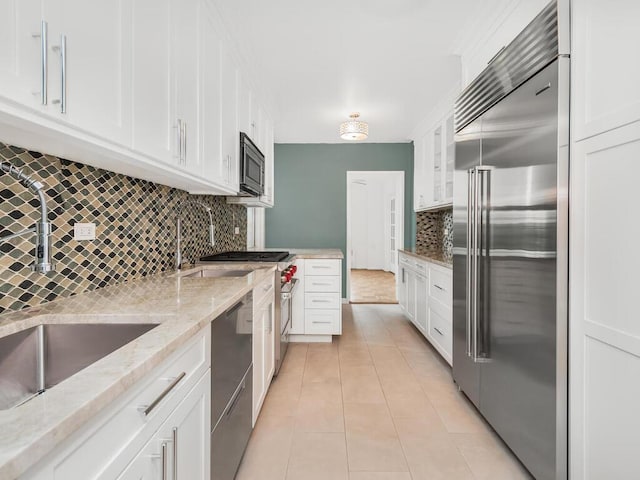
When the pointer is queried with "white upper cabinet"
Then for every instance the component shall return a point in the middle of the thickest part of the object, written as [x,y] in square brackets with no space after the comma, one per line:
[605,70]
[21,60]
[154,130]
[90,73]
[69,59]
[185,66]
[434,161]
[230,135]
[147,88]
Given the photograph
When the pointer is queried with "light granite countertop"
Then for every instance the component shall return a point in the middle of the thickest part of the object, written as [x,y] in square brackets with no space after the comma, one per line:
[432,257]
[182,306]
[332,253]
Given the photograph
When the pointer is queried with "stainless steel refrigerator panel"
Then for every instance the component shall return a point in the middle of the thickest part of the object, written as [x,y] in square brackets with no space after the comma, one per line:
[518,255]
[466,372]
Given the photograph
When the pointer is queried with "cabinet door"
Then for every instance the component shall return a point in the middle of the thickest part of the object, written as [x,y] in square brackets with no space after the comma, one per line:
[437,165]
[214,166]
[269,342]
[421,303]
[244,106]
[98,62]
[21,61]
[419,199]
[189,430]
[258,361]
[185,67]
[229,112]
[411,294]
[449,148]
[154,128]
[269,163]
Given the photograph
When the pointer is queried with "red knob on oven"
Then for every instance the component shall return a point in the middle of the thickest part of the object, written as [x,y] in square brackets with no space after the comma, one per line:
[294,269]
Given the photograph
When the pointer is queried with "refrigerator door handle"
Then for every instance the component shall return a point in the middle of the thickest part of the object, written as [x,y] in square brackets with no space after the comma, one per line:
[480,185]
[470,252]
[474,263]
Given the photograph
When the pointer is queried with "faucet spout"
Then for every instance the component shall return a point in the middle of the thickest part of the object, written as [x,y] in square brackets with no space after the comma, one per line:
[42,229]
[212,228]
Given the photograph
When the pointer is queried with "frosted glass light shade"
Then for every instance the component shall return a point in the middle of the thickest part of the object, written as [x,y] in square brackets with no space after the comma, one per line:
[354,129]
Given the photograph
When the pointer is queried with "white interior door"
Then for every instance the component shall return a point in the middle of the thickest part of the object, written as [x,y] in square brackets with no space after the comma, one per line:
[392,232]
[359,225]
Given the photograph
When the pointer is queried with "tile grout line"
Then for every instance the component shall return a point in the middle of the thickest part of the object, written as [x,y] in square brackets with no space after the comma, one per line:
[386,402]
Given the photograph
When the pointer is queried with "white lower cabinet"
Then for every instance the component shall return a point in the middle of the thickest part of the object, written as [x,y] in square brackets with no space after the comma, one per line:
[425,295]
[124,440]
[317,305]
[263,343]
[180,448]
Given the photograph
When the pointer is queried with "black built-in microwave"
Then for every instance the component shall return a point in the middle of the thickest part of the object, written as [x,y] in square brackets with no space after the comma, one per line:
[251,168]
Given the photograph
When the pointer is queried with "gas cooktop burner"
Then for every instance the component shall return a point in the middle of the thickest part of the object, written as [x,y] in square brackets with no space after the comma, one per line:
[246,257]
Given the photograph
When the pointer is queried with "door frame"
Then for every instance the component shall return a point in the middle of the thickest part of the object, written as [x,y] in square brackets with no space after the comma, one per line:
[399,176]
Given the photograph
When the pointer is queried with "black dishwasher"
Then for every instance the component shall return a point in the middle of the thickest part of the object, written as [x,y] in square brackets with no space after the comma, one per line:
[231,388]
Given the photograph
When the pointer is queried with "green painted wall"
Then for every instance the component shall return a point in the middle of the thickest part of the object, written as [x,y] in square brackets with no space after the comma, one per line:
[311,192]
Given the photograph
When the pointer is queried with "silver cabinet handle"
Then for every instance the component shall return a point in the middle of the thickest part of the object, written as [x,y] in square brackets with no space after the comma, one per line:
[184,139]
[438,287]
[438,330]
[320,266]
[164,393]
[319,284]
[63,74]
[179,140]
[470,253]
[321,301]
[321,321]
[44,60]
[175,453]
[164,461]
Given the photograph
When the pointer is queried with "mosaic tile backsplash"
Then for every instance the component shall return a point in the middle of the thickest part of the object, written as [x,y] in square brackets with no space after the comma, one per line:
[135,228]
[434,233]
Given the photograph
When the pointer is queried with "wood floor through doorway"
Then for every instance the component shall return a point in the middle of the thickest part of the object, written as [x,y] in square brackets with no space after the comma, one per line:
[373,286]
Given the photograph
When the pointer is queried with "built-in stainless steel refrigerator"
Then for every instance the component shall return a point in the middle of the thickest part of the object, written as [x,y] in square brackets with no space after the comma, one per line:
[510,256]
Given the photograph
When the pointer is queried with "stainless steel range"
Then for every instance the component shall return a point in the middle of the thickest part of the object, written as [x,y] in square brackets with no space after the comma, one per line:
[285,289]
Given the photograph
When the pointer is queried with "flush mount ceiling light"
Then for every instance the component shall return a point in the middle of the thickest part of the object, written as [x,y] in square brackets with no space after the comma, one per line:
[354,129]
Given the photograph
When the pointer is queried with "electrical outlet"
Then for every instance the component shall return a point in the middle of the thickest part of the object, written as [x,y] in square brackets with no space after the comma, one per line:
[84,231]
[236,231]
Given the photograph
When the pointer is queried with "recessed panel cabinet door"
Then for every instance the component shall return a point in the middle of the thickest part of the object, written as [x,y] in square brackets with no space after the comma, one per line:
[229,106]
[96,81]
[185,59]
[153,111]
[215,167]
[21,60]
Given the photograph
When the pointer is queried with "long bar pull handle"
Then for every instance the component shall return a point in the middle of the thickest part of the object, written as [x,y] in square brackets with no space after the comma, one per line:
[175,453]
[469,286]
[147,410]
[63,73]
[475,270]
[164,461]
[179,140]
[44,61]
[184,139]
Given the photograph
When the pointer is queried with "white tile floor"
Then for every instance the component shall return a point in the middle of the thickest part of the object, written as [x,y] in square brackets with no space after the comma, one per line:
[376,404]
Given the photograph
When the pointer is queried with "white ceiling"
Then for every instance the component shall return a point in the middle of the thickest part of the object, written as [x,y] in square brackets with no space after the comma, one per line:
[390,60]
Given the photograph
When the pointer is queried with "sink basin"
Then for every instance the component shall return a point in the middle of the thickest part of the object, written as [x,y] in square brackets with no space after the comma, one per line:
[217,272]
[36,359]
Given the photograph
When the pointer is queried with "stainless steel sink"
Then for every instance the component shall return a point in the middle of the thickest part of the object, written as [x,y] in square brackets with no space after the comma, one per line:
[217,272]
[36,359]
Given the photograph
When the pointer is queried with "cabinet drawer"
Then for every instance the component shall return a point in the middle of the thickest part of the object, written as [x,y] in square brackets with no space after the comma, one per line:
[440,329]
[262,292]
[323,322]
[109,441]
[419,266]
[322,267]
[440,286]
[322,300]
[322,284]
